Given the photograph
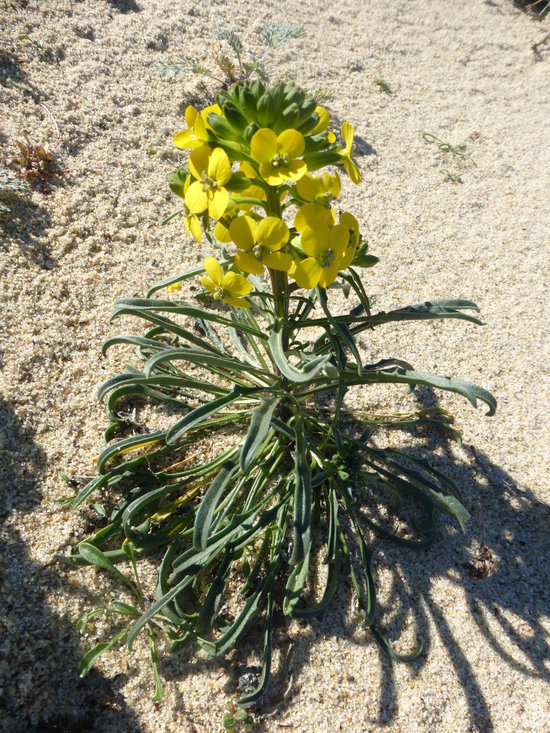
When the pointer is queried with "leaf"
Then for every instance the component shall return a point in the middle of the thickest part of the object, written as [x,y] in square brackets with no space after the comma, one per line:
[310,370]
[295,585]
[199,414]
[302,498]
[94,556]
[260,424]
[401,375]
[209,503]
[206,359]
[255,695]
[127,445]
[91,657]
[124,609]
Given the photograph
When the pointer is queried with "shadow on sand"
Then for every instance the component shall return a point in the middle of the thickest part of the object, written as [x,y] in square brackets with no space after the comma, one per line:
[40,650]
[502,565]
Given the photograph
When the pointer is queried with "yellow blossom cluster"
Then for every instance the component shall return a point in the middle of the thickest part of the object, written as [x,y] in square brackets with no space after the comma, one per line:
[251,171]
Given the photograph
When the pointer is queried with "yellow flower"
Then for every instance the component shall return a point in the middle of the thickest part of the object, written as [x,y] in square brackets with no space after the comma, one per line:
[212,170]
[323,123]
[228,288]
[278,156]
[260,243]
[175,286]
[311,215]
[319,189]
[351,224]
[351,169]
[325,247]
[197,134]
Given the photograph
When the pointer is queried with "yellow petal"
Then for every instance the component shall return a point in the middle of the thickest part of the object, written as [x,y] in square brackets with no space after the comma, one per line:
[198,161]
[236,284]
[278,261]
[329,274]
[271,174]
[339,238]
[249,263]
[221,232]
[236,302]
[190,115]
[352,225]
[214,270]
[207,284]
[352,170]
[316,240]
[347,134]
[294,170]
[195,227]
[243,230]
[310,215]
[248,170]
[263,146]
[272,232]
[292,143]
[199,128]
[307,273]
[332,184]
[324,120]
[195,198]
[219,167]
[308,187]
[217,202]
[185,139]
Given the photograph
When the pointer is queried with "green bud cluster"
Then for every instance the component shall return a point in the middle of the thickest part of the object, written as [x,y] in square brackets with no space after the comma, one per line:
[250,106]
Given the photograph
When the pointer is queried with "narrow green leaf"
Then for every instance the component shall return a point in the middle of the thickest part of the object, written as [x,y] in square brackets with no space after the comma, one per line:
[260,424]
[96,557]
[255,695]
[209,502]
[199,414]
[124,609]
[302,497]
[91,657]
[306,374]
[400,375]
[295,585]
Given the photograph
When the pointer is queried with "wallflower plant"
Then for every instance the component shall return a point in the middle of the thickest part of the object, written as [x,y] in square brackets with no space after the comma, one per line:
[257,473]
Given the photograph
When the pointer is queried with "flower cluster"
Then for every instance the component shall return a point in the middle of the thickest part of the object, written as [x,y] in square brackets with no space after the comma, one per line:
[251,168]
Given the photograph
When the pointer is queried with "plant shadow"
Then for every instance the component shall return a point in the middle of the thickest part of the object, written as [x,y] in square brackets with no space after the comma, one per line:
[22,228]
[40,650]
[125,6]
[500,565]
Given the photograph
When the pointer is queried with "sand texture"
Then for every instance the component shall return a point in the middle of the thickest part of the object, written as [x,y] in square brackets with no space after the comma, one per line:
[80,79]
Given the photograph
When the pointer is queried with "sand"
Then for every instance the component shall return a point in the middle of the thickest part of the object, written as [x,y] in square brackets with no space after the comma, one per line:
[80,79]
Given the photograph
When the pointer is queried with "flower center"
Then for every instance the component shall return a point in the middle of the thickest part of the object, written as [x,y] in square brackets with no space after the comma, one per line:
[208,184]
[280,159]
[326,258]
[218,293]
[258,252]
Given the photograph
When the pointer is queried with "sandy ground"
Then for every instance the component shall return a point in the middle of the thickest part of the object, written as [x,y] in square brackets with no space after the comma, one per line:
[79,77]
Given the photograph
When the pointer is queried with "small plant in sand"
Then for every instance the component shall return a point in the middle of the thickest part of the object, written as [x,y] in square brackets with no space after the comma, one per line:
[259,488]
[239,65]
[33,162]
